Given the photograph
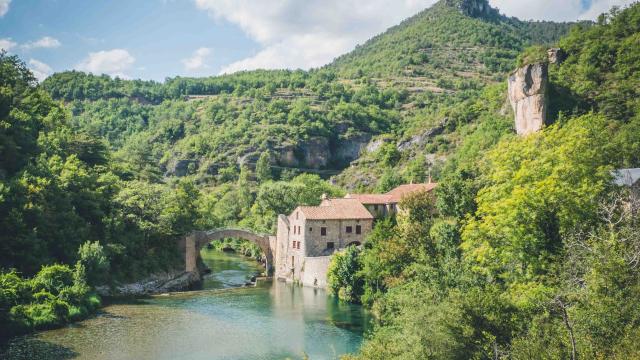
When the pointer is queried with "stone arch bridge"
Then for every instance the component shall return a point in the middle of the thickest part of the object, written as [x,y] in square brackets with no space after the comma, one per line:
[194,242]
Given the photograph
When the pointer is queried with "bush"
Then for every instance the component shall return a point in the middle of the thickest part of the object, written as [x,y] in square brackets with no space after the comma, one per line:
[57,295]
[94,259]
[343,275]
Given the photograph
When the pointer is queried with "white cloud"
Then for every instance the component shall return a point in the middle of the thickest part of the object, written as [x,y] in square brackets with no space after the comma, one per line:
[39,69]
[114,62]
[601,6]
[7,44]
[45,42]
[4,7]
[304,34]
[566,10]
[197,61]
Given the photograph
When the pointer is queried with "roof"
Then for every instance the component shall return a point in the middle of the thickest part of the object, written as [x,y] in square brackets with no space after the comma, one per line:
[370,198]
[336,209]
[392,197]
[398,193]
[626,177]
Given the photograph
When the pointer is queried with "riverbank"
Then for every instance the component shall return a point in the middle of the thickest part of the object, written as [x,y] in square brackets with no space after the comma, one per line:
[153,284]
[271,320]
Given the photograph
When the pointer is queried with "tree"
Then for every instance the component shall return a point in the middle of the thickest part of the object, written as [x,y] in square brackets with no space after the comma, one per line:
[343,275]
[96,264]
[263,167]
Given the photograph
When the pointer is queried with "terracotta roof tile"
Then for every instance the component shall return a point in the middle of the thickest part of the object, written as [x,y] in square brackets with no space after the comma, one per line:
[392,197]
[398,193]
[370,198]
[336,209]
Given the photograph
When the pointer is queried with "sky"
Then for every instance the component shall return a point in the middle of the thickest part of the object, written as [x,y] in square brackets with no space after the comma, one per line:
[156,39]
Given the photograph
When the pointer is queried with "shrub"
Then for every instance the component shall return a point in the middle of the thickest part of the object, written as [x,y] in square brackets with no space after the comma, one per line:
[94,259]
[343,275]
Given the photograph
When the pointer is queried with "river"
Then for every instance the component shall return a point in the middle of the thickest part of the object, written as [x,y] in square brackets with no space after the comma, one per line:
[272,320]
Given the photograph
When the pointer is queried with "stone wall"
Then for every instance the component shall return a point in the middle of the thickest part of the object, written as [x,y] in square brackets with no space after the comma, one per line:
[527,94]
[281,249]
[314,271]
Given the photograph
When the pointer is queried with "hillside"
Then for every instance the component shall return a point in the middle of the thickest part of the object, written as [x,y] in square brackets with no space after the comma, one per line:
[526,249]
[318,121]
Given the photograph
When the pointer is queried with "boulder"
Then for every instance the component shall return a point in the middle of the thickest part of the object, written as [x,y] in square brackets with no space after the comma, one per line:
[527,95]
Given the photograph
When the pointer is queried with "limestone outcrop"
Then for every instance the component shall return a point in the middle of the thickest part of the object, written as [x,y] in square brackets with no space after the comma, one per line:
[527,95]
[556,55]
[349,149]
[473,8]
[421,139]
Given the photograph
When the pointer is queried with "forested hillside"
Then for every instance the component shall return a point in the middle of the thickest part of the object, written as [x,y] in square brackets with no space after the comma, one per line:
[527,250]
[324,119]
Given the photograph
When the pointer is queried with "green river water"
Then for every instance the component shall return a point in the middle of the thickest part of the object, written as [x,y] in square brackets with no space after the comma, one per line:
[272,320]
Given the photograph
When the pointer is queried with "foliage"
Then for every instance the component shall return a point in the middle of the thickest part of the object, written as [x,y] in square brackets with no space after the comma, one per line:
[56,295]
[533,253]
[94,259]
[343,279]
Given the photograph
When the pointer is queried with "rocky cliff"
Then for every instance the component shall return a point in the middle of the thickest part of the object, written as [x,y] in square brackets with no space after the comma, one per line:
[527,94]
[473,8]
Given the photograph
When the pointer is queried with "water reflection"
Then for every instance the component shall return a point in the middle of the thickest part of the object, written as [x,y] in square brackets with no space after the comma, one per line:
[270,321]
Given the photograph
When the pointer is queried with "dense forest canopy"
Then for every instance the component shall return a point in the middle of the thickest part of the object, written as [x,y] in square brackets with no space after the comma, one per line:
[524,251]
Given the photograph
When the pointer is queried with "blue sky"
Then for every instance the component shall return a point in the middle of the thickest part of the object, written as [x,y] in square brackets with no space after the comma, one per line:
[154,39]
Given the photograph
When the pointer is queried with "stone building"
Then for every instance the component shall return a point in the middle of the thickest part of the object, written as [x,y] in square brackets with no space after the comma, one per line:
[310,234]
[307,238]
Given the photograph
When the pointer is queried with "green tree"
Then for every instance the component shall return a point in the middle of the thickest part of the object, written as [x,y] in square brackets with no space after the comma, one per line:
[263,167]
[95,262]
[343,275]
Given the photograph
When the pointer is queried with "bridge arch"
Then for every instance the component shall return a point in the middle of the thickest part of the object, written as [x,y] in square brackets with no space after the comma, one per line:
[198,239]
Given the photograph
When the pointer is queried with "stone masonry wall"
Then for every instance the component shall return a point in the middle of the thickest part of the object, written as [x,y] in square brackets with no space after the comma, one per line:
[314,271]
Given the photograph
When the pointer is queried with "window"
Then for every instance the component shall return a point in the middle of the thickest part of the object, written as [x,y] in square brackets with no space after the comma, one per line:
[375,207]
[310,229]
[297,213]
[294,244]
[330,245]
[298,245]
[323,231]
[358,229]
[349,229]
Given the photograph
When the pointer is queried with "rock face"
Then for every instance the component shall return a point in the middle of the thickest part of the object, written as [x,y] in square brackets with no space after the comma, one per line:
[527,94]
[350,149]
[474,8]
[180,168]
[556,55]
[421,139]
[316,152]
